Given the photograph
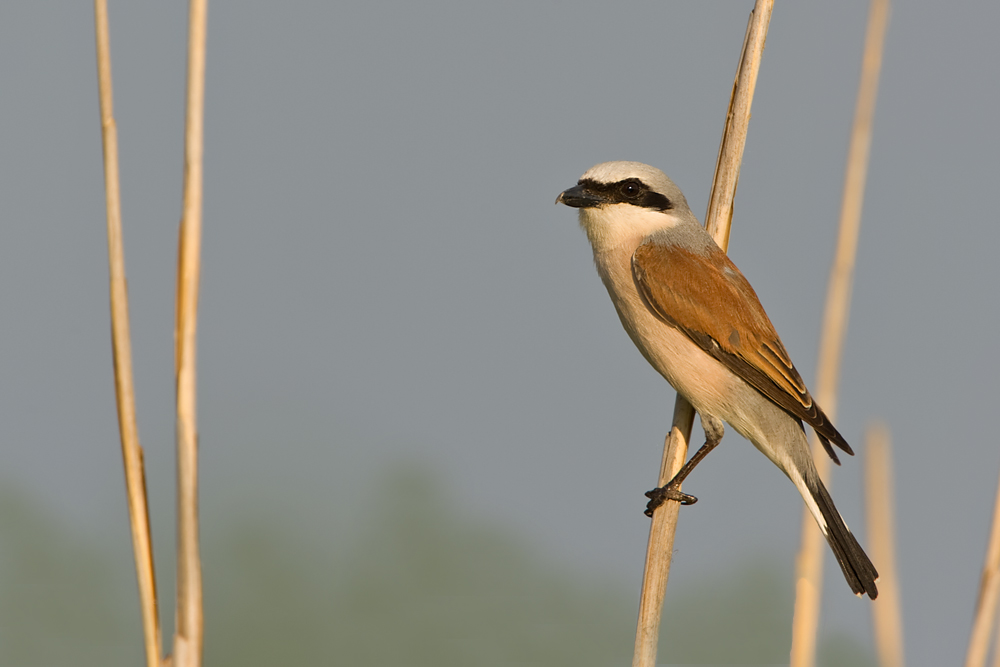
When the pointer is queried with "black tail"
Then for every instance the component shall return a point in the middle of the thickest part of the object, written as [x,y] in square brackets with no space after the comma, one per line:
[858,569]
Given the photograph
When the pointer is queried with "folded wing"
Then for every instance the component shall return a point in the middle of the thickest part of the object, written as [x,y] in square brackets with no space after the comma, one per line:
[707,298]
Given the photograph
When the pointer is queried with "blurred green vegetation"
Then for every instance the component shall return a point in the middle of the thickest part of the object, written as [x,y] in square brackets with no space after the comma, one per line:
[61,603]
[418,583]
[743,617]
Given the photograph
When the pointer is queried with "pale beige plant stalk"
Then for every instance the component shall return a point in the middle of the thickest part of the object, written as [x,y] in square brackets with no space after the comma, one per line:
[717,220]
[809,564]
[660,548]
[887,616]
[989,593]
[188,639]
[996,651]
[135,476]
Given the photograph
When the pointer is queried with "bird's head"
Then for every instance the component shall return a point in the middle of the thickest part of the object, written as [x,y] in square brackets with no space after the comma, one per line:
[621,202]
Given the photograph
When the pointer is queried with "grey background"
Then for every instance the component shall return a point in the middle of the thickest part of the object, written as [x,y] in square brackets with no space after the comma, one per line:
[386,278]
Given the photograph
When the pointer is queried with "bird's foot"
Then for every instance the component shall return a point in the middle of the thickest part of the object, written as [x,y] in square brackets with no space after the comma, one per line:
[662,494]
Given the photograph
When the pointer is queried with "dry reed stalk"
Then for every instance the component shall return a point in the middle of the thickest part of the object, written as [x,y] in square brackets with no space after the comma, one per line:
[887,616]
[809,564]
[996,650]
[989,592]
[188,638]
[659,550]
[135,477]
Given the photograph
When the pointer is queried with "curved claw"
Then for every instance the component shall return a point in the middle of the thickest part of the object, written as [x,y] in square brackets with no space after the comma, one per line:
[661,494]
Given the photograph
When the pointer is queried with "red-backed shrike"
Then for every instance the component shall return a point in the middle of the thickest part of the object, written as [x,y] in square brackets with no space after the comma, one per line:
[696,319]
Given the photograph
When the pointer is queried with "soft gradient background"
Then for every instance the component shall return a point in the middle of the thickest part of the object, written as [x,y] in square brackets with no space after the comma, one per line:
[395,318]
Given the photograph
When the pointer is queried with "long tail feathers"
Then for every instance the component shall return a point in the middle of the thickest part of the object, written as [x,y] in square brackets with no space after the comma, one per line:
[858,569]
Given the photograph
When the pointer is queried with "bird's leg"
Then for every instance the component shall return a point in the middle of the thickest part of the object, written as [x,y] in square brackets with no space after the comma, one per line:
[671,491]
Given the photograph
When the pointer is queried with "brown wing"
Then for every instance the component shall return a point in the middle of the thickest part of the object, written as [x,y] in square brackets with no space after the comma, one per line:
[708,299]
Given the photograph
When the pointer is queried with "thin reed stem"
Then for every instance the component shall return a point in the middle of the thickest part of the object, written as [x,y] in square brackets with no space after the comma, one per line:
[717,220]
[660,548]
[887,615]
[989,593]
[996,651]
[135,477]
[188,639]
[809,564]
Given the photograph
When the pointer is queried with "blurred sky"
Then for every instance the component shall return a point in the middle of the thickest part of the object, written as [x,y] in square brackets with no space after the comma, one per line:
[386,277]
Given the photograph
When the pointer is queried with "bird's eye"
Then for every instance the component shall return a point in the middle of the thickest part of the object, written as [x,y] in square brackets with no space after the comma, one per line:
[630,189]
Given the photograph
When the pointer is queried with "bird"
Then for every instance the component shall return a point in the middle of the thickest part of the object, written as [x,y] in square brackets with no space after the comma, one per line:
[698,322]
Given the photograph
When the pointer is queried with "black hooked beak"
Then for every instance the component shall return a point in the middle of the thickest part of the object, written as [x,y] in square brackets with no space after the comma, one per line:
[579,197]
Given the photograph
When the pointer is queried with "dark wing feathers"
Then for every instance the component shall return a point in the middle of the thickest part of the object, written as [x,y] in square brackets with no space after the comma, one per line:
[743,339]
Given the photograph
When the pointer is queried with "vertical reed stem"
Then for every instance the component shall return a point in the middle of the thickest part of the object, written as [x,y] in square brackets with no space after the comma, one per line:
[809,565]
[717,220]
[135,477]
[887,615]
[188,639]
[989,592]
[660,548]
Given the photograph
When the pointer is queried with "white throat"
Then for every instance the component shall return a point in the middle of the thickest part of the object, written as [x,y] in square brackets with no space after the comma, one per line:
[622,225]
